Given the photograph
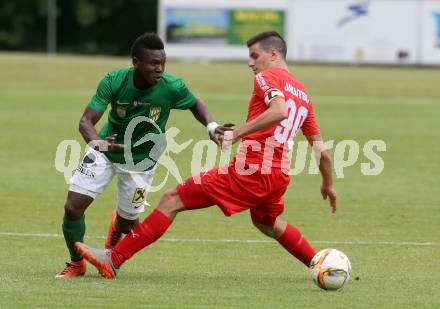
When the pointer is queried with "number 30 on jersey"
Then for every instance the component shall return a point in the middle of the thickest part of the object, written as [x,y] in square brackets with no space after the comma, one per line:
[289,126]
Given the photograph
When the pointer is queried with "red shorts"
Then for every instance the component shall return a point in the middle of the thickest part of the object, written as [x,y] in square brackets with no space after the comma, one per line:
[233,193]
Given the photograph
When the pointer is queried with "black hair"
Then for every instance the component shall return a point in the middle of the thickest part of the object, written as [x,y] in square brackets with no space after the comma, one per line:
[268,40]
[148,40]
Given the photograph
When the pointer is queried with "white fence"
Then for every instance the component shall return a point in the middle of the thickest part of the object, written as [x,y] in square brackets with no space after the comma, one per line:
[331,31]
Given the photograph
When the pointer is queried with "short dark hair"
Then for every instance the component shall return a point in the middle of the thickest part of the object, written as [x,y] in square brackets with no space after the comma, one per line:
[268,40]
[148,40]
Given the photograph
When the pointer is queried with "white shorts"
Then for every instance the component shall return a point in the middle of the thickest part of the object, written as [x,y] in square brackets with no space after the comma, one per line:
[95,173]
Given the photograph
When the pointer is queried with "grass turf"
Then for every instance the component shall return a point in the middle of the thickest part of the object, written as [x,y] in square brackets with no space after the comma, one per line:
[391,215]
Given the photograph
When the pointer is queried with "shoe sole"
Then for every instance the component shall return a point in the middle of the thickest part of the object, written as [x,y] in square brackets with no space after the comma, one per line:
[103,269]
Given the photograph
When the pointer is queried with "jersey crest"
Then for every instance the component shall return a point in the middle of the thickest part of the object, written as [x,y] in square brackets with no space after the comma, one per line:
[121,109]
[154,113]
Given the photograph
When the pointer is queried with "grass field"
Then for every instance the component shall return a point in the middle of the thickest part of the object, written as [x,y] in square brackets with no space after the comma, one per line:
[387,224]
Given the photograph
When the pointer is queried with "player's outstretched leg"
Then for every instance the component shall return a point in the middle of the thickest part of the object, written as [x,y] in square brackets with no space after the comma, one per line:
[290,238]
[142,235]
[150,230]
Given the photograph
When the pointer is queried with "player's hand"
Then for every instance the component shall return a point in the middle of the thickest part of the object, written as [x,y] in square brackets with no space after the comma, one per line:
[219,132]
[111,143]
[107,144]
[328,191]
[229,138]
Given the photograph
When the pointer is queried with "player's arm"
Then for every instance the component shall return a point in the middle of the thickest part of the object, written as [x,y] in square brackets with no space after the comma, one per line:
[202,114]
[276,112]
[87,129]
[324,162]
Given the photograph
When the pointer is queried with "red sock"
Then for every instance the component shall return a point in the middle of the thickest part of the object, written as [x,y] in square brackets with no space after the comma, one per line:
[142,235]
[294,242]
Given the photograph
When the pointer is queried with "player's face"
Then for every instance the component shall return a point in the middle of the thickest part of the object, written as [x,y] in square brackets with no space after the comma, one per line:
[259,59]
[151,66]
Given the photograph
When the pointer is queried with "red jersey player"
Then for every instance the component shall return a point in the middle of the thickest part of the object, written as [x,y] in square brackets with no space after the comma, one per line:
[256,178]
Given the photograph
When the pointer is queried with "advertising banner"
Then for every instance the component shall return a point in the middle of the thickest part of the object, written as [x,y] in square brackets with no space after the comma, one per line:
[356,31]
[187,26]
[244,24]
[391,32]
[430,32]
[219,26]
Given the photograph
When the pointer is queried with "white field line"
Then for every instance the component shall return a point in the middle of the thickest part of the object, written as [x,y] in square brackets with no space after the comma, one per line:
[252,241]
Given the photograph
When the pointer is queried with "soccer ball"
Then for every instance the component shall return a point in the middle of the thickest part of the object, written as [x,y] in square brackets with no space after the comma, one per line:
[330,269]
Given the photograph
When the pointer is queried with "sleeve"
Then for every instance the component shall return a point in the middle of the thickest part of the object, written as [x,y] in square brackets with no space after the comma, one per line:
[102,96]
[310,126]
[184,98]
[267,86]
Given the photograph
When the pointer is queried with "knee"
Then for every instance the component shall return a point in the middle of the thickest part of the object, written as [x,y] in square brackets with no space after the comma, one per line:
[265,229]
[274,230]
[170,202]
[73,210]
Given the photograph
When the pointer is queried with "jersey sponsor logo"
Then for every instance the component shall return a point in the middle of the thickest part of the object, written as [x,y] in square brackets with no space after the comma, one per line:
[85,171]
[139,196]
[139,103]
[89,160]
[154,113]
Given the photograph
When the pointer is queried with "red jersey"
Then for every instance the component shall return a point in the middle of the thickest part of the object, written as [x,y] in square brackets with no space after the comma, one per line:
[266,147]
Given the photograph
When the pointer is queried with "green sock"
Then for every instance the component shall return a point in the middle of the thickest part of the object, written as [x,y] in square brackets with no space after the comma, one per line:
[74,231]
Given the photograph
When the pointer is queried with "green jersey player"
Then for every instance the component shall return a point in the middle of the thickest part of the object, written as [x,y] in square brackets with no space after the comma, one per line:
[140,98]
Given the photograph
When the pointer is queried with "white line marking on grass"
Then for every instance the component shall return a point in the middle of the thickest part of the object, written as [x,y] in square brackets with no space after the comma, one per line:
[250,241]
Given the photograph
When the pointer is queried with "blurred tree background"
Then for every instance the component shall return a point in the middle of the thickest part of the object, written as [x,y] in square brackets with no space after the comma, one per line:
[83,26]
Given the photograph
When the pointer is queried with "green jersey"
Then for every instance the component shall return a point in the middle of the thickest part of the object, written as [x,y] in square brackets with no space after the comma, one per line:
[127,102]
